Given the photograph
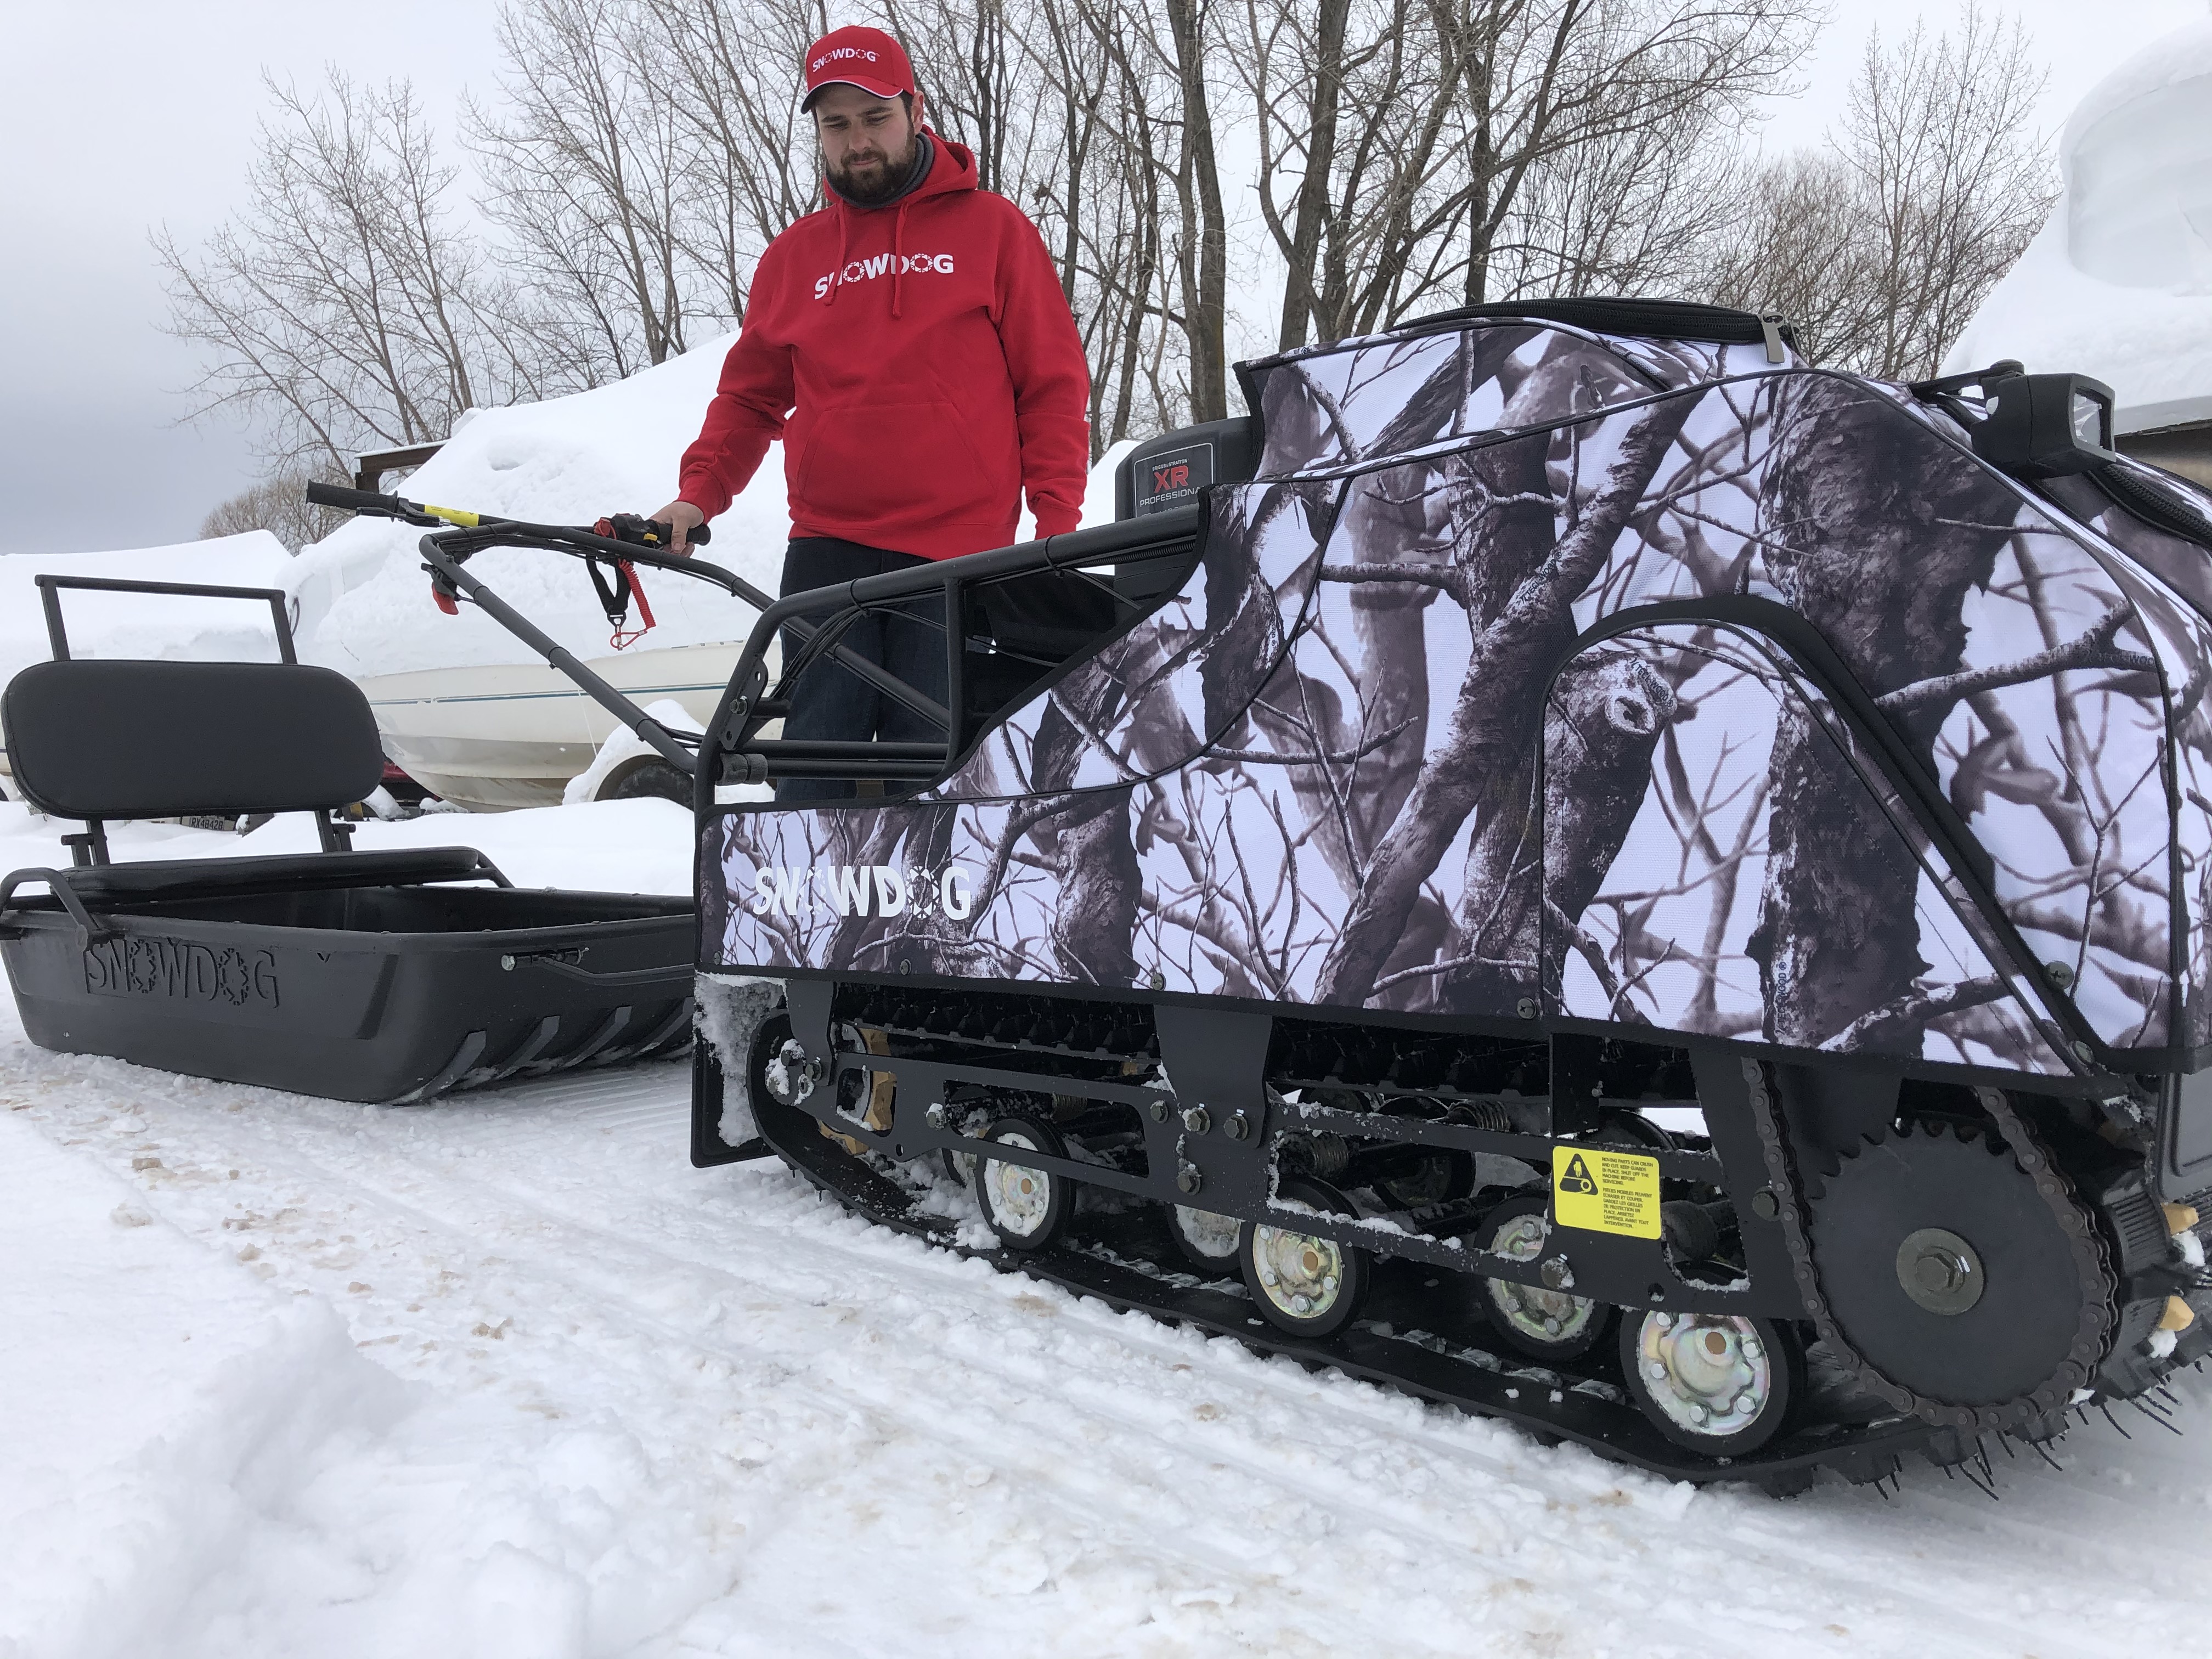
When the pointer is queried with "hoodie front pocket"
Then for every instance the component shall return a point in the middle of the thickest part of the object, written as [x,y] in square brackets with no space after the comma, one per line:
[894,462]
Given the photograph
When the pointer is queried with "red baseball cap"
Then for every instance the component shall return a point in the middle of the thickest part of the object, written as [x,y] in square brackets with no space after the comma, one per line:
[856,57]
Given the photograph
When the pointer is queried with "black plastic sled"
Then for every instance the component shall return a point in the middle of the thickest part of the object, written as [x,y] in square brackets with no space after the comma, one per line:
[390,977]
[1570,844]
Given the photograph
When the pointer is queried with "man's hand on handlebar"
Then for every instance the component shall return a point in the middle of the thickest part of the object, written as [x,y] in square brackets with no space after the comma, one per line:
[683,519]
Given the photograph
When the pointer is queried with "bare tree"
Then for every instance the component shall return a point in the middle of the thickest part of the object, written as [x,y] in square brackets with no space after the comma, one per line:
[1958,178]
[1883,248]
[278,504]
[748,166]
[1802,252]
[1204,261]
[1638,209]
[584,160]
[342,306]
[640,154]
[1481,148]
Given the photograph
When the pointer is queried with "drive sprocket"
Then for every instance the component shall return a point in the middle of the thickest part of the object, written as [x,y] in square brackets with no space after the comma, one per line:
[1950,1271]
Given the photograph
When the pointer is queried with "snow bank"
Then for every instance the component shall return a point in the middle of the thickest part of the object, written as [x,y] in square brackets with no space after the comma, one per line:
[365,605]
[142,624]
[2119,284]
[197,1463]
[162,1406]
[613,846]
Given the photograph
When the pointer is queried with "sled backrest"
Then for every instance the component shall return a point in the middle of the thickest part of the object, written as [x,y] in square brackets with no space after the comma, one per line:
[132,739]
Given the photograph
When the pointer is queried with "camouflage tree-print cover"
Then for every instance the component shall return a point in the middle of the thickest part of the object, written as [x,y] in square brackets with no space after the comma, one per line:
[1361,761]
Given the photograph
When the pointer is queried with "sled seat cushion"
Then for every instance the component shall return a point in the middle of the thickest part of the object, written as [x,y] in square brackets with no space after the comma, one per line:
[128,740]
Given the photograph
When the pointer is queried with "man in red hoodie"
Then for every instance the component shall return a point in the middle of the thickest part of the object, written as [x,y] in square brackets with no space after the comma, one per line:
[912,347]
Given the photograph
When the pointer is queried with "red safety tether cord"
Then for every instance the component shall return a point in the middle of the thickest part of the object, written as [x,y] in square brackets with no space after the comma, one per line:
[622,639]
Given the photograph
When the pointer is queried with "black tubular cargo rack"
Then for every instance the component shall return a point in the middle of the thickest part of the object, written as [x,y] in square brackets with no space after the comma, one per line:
[387,976]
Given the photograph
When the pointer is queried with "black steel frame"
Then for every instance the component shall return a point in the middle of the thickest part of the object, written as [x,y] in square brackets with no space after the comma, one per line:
[445,552]
[733,736]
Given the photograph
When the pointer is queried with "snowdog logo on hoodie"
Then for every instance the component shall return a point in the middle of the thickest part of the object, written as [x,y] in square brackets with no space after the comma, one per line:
[884,264]
[855,890]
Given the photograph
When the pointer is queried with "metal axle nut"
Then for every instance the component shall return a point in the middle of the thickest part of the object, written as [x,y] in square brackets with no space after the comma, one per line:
[1197,1120]
[1187,1178]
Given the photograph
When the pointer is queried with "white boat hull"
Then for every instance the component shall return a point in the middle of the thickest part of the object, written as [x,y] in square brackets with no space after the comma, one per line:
[489,738]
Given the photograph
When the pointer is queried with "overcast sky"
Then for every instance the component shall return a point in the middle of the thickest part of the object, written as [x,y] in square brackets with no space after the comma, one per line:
[124,114]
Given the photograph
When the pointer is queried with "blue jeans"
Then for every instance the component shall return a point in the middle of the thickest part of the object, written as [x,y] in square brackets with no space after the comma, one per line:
[831,702]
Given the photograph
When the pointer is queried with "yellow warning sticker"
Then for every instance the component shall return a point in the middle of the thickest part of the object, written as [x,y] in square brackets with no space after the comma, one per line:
[1603,1191]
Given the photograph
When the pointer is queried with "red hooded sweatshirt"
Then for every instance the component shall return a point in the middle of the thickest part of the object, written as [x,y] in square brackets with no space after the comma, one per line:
[920,363]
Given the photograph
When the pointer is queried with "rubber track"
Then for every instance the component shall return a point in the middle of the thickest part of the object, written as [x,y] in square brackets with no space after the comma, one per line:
[1527,1398]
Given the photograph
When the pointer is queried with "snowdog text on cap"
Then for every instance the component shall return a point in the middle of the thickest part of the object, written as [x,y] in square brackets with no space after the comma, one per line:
[856,57]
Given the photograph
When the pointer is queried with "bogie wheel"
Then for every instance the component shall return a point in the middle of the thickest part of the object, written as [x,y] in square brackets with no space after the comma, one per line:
[1721,1384]
[1209,1242]
[1027,1208]
[1305,1284]
[1545,1324]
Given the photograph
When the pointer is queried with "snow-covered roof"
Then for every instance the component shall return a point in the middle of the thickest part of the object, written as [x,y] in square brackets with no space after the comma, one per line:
[2119,284]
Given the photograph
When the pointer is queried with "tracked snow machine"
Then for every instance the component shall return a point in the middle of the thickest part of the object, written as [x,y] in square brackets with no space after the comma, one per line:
[1571,864]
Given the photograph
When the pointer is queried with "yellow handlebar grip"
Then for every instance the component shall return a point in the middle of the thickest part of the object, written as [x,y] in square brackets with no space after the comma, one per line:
[452,515]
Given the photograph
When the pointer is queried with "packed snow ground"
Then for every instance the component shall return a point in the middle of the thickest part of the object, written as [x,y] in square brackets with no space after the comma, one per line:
[505,1375]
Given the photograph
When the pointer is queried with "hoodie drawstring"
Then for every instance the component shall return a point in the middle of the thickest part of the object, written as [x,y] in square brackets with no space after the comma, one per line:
[898,255]
[844,233]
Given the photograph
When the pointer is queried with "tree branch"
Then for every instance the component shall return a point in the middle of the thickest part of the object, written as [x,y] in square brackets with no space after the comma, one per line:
[2093,649]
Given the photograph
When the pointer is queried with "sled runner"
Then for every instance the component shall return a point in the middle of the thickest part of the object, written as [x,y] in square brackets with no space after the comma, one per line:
[387,976]
[1573,863]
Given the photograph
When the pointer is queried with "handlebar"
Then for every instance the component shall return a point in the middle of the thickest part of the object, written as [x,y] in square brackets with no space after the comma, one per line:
[630,530]
[457,536]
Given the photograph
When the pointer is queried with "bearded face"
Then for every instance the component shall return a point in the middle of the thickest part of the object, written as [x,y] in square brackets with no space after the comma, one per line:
[867,142]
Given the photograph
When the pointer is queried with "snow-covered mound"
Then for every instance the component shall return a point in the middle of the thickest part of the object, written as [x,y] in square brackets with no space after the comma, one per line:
[2119,284]
[147,625]
[365,605]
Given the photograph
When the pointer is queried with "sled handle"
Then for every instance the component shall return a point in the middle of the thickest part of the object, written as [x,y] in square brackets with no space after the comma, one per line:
[57,884]
[57,635]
